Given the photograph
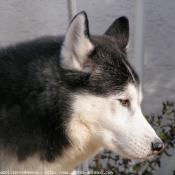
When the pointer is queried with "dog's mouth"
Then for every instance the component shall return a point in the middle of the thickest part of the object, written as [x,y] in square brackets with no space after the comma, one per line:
[136,158]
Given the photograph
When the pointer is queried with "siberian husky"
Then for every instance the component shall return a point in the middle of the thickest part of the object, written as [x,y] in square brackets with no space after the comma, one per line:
[64,98]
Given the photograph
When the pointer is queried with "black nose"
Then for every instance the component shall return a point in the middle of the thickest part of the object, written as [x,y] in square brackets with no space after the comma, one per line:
[157,147]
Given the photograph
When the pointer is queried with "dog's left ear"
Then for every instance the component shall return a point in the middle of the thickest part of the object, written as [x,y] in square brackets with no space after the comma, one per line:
[119,30]
[77,45]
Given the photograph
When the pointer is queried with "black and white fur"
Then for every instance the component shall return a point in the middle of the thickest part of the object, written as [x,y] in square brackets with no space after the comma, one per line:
[61,100]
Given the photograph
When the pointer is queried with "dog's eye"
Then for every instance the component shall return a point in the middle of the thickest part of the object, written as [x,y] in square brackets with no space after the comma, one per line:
[124,102]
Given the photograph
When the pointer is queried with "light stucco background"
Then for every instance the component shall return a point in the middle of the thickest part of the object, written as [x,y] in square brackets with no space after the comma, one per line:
[26,19]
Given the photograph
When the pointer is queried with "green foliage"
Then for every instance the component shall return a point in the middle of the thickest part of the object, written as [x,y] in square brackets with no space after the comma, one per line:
[164,125]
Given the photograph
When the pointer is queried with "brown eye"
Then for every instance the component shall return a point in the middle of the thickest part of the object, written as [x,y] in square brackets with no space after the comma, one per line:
[124,102]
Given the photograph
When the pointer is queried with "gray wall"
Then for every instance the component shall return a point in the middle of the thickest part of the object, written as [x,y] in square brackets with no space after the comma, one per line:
[26,19]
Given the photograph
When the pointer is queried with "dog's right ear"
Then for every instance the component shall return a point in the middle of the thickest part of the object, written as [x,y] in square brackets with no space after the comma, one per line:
[119,30]
[77,45]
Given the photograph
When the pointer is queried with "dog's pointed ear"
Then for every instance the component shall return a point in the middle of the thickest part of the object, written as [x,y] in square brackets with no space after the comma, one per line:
[119,30]
[77,45]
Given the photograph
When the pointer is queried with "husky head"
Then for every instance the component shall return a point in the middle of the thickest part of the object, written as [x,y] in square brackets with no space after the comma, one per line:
[106,92]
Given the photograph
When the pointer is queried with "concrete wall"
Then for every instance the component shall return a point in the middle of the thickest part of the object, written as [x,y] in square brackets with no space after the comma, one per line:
[26,19]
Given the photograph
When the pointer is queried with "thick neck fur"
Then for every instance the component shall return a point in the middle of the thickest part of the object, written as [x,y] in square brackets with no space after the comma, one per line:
[82,148]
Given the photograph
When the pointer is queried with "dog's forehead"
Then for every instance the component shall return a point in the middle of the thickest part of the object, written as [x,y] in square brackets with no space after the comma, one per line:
[112,69]
[107,42]
[132,92]
[108,53]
